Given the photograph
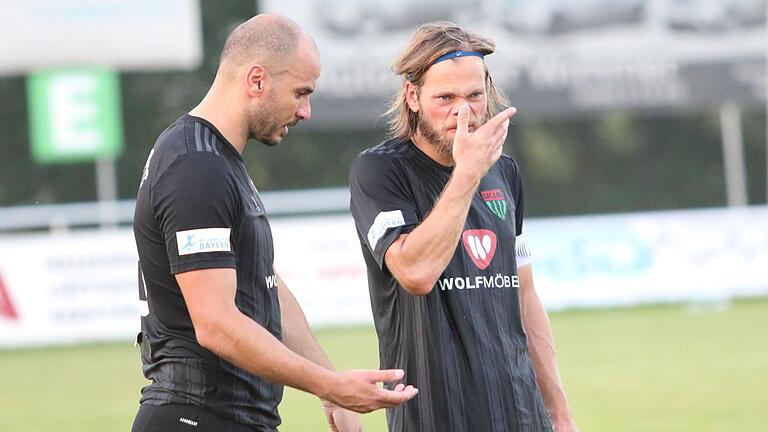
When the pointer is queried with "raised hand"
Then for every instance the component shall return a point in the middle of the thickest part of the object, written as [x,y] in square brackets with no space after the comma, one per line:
[475,152]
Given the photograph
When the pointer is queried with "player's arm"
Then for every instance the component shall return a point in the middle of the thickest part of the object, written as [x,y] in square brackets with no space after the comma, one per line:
[418,258]
[542,348]
[223,329]
[299,338]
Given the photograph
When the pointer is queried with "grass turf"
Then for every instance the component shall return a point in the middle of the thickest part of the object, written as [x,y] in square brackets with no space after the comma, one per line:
[653,368]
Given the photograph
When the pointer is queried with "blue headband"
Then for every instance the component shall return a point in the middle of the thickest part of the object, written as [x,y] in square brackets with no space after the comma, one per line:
[450,55]
[458,53]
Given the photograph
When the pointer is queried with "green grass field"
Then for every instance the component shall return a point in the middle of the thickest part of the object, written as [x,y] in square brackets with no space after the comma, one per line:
[647,369]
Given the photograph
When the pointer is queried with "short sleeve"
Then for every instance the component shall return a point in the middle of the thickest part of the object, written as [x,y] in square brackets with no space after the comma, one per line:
[196,204]
[516,186]
[381,202]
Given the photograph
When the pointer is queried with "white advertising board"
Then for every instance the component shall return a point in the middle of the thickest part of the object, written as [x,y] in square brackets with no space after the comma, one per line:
[120,34]
[699,255]
[81,286]
[68,287]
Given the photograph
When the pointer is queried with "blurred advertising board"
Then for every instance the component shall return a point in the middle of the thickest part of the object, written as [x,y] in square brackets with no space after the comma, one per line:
[665,256]
[82,285]
[68,287]
[119,34]
[554,57]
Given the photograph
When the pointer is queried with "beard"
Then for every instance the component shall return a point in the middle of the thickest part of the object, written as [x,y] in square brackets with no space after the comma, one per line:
[441,143]
[264,124]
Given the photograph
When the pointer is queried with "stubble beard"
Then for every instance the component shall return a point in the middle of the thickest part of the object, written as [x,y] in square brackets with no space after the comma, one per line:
[441,143]
[263,124]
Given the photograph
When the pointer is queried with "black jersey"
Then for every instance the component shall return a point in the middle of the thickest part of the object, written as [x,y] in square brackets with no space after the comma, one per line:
[462,345]
[197,209]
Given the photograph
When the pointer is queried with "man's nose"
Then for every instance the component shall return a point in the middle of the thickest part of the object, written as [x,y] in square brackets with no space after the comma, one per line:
[457,106]
[304,111]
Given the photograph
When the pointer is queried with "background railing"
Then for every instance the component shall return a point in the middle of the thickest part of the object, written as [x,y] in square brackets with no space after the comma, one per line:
[62,217]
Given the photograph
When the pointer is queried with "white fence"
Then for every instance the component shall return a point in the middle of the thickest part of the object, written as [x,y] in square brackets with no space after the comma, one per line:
[70,286]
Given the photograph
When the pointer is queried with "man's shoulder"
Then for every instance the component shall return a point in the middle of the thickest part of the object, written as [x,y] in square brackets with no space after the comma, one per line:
[509,165]
[383,164]
[172,134]
[508,160]
[392,148]
[191,144]
[187,135]
[383,154]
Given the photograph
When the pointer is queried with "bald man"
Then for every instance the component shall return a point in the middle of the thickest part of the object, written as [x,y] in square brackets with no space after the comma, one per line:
[222,334]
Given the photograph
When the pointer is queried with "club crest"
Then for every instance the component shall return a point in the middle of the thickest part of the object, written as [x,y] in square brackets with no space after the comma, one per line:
[495,201]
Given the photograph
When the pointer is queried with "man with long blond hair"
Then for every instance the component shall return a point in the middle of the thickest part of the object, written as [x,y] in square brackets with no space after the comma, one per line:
[439,212]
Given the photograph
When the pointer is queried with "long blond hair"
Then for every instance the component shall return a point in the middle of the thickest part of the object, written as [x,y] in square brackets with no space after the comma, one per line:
[428,43]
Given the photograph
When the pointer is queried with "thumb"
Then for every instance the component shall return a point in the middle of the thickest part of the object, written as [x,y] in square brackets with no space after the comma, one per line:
[462,125]
[387,375]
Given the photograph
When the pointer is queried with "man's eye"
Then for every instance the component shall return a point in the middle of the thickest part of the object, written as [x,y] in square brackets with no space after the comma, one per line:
[444,97]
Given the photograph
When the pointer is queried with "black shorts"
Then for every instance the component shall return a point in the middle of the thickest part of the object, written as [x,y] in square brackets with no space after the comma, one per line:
[184,418]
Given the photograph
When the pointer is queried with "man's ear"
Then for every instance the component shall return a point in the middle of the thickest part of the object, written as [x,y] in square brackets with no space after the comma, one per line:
[412,96]
[256,80]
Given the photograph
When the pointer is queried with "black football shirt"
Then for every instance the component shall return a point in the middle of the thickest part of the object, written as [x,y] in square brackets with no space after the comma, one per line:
[197,208]
[463,344]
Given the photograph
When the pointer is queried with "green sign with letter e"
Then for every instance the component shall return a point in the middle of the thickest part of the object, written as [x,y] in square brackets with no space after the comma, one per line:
[74,115]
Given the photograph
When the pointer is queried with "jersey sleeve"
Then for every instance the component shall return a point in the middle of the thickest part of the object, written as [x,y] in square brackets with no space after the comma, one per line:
[381,203]
[516,186]
[196,204]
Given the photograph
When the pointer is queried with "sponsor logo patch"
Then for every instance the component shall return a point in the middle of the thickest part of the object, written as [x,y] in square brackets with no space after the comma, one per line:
[203,240]
[495,201]
[480,245]
[382,223]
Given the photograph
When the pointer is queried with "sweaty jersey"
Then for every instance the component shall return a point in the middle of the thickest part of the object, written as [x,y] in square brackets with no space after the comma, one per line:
[197,209]
[462,345]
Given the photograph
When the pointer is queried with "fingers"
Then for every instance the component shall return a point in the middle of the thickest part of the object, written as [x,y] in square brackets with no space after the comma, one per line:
[504,115]
[359,390]
[386,375]
[392,398]
[500,120]
[462,123]
[500,134]
[496,128]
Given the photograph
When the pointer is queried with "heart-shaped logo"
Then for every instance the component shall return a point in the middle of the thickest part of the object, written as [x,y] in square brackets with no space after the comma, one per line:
[480,245]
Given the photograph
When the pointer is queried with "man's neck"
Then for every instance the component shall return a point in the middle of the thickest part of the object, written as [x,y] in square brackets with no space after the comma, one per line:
[430,150]
[227,122]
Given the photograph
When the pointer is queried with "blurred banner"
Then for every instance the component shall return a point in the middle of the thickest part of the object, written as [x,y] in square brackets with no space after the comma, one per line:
[68,287]
[554,57]
[82,286]
[666,256]
[120,34]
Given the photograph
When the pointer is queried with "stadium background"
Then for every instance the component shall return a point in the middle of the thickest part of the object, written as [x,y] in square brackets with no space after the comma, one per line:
[681,346]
